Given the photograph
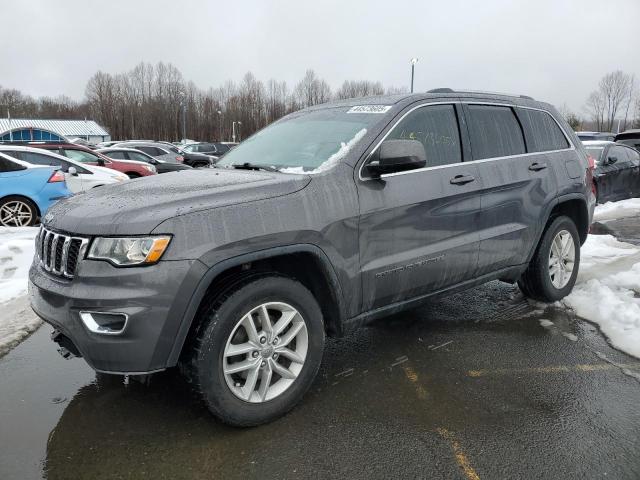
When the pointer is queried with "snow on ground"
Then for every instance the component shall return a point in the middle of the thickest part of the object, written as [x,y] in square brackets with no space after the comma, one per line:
[613,210]
[16,253]
[607,291]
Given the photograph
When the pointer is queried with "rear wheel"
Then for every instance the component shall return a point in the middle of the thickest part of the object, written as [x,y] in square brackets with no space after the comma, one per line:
[18,212]
[552,272]
[258,350]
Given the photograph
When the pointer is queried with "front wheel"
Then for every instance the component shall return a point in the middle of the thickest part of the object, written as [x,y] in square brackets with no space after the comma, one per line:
[553,270]
[258,350]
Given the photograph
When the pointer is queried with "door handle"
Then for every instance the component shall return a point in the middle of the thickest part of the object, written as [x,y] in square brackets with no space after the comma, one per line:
[536,167]
[462,179]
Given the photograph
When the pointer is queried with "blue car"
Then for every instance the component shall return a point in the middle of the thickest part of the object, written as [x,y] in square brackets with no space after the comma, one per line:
[27,191]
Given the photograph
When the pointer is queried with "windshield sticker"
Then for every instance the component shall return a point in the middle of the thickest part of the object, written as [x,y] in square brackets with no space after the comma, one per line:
[369,109]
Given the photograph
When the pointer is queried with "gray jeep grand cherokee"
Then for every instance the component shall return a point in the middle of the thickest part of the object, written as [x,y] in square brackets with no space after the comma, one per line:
[326,219]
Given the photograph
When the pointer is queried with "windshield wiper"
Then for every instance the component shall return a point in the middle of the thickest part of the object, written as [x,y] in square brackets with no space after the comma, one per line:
[253,166]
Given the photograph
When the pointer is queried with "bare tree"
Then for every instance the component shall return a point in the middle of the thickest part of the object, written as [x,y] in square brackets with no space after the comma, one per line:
[596,106]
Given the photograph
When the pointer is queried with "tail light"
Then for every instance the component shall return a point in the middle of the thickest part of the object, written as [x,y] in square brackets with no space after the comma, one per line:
[56,176]
[592,167]
[179,159]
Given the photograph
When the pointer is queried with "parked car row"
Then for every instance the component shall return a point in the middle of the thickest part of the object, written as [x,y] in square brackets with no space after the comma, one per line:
[25,193]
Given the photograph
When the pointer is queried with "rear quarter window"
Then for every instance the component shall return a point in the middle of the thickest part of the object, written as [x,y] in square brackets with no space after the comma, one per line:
[494,132]
[543,132]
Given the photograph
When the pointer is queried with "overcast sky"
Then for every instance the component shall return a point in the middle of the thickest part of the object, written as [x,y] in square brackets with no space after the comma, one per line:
[553,50]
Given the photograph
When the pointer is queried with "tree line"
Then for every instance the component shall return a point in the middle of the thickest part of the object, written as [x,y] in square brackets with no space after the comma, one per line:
[614,106]
[147,102]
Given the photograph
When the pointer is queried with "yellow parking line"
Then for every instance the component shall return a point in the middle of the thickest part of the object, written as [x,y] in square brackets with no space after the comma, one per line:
[461,458]
[413,378]
[552,369]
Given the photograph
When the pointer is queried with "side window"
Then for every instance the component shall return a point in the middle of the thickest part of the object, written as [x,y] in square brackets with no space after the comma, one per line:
[80,156]
[545,134]
[39,159]
[9,166]
[149,150]
[116,155]
[633,155]
[436,127]
[619,153]
[138,157]
[494,132]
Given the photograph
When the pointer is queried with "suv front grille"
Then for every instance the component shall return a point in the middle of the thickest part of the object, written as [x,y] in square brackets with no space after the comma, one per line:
[59,253]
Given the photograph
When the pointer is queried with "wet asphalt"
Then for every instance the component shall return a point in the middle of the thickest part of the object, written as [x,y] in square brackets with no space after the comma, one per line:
[471,386]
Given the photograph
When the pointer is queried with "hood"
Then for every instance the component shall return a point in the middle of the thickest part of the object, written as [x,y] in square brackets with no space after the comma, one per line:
[136,207]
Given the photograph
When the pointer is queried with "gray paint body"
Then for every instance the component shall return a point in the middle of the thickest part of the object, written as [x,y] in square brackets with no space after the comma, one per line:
[384,244]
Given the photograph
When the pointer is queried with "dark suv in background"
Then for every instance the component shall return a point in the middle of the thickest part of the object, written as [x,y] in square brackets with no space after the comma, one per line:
[328,218]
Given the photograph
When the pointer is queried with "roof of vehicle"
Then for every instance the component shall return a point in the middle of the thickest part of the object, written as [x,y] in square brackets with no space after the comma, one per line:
[633,133]
[435,94]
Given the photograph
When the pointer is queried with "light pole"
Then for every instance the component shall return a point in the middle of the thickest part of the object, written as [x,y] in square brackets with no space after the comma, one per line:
[414,60]
[240,136]
[233,131]
[220,117]
[183,108]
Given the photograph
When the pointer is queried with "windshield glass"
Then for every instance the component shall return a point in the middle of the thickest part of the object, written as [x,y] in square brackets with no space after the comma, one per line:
[595,152]
[308,143]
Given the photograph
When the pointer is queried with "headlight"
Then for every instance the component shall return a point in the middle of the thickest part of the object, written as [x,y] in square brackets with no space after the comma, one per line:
[129,251]
[151,168]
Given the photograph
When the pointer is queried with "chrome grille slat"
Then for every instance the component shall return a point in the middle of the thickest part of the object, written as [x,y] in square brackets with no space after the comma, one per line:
[57,259]
[65,255]
[52,254]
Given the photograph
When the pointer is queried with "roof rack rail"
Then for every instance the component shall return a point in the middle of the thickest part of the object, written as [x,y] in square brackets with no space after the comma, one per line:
[450,90]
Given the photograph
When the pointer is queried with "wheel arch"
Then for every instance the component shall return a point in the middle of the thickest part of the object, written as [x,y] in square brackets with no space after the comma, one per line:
[305,263]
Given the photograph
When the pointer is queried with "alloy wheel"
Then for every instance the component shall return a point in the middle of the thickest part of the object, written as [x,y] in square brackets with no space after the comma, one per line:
[265,352]
[15,213]
[562,258]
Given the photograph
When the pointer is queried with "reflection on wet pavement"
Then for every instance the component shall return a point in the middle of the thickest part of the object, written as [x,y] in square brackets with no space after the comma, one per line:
[472,386]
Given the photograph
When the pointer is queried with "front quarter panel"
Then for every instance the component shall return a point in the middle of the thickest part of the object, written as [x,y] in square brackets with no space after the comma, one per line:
[323,214]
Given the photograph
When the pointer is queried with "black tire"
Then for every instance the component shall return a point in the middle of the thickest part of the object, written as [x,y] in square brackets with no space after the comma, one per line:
[203,362]
[28,204]
[535,282]
[133,175]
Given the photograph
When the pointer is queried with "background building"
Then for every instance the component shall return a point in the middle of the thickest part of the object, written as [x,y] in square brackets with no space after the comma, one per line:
[25,130]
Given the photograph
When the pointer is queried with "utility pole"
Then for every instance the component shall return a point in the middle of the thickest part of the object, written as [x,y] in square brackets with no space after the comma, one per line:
[414,60]
[220,118]
[233,131]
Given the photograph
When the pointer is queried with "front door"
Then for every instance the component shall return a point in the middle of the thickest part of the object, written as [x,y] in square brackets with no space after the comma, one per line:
[417,229]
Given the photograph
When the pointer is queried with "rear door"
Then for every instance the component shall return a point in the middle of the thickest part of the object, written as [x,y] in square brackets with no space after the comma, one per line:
[634,171]
[514,149]
[417,229]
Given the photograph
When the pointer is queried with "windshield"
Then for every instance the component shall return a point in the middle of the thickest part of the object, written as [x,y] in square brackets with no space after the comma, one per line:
[595,152]
[308,143]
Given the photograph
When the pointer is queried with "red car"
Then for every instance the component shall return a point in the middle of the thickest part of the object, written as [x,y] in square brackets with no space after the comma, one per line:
[85,155]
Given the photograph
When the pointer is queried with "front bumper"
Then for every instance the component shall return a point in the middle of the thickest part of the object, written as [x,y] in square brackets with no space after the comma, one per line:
[153,298]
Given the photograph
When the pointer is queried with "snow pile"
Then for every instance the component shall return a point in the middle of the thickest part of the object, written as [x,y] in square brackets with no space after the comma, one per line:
[607,291]
[333,159]
[16,253]
[615,210]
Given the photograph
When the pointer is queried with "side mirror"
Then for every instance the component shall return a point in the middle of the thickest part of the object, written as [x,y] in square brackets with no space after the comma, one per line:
[73,171]
[397,156]
[153,161]
[612,160]
[101,162]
